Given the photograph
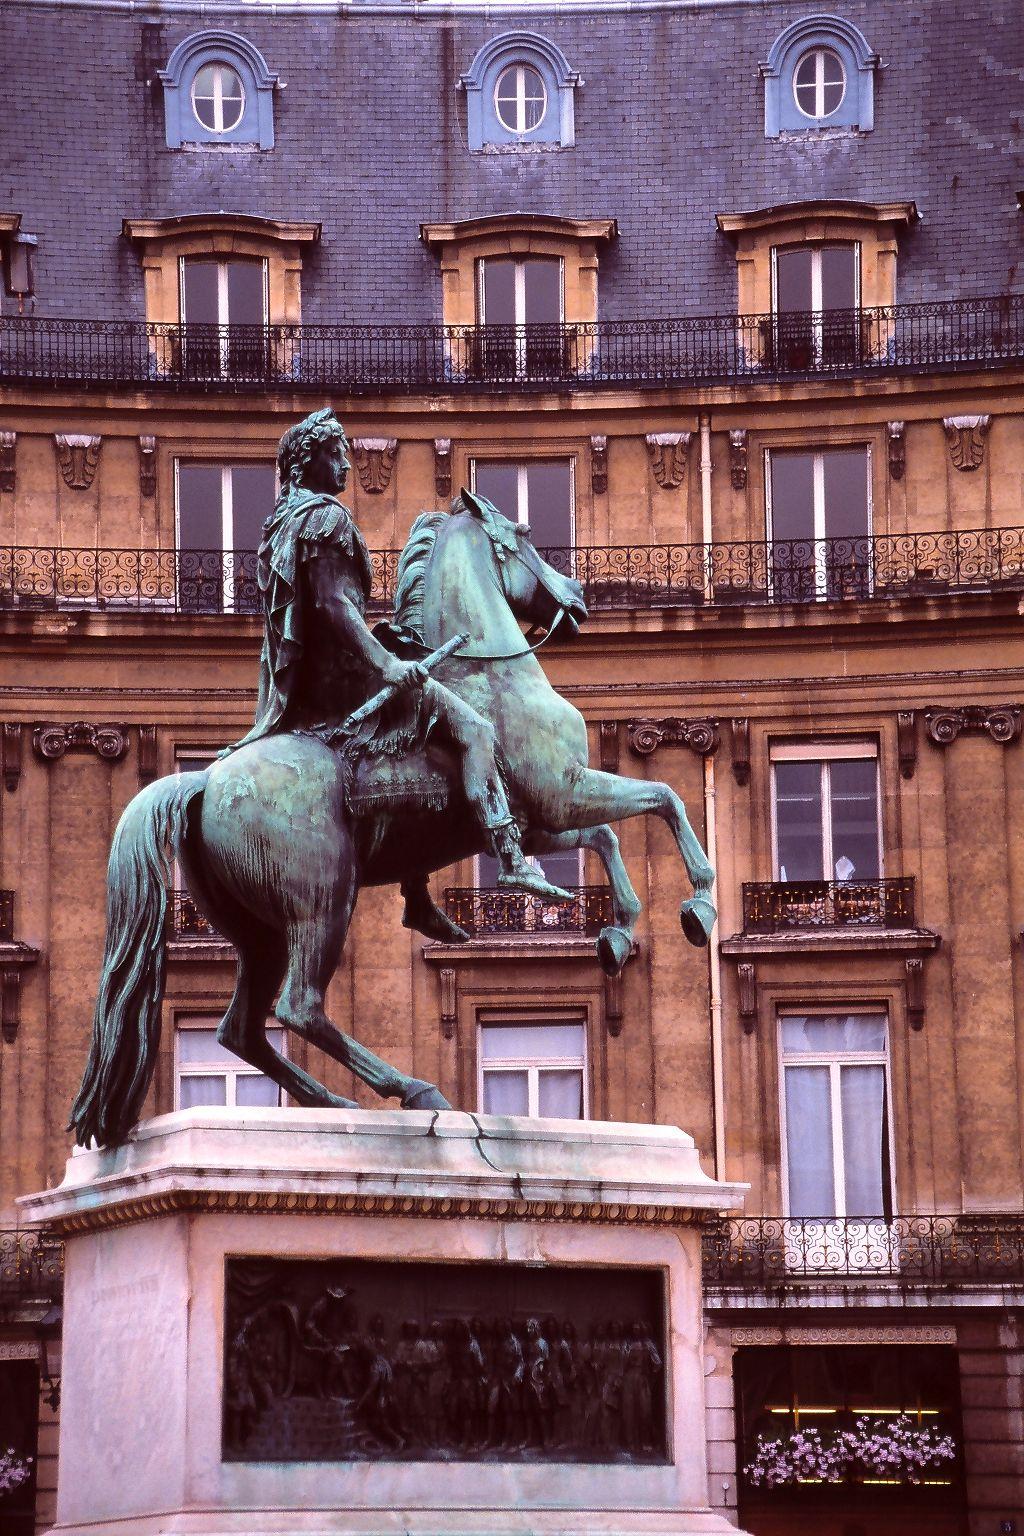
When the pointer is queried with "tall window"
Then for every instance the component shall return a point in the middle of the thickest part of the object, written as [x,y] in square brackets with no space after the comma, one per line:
[533,1068]
[220,511]
[206,1074]
[216,296]
[835,1109]
[825,811]
[535,492]
[520,302]
[816,292]
[819,519]
[563,868]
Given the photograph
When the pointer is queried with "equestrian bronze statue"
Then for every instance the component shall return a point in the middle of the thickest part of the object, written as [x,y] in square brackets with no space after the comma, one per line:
[376,758]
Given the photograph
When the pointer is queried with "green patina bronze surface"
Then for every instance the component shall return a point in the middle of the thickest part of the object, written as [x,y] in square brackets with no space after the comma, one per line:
[467,752]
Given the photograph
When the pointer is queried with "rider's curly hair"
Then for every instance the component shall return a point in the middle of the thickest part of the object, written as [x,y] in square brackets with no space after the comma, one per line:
[300,442]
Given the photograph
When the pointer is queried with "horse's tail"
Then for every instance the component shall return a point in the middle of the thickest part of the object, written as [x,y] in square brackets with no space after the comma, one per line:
[126,1024]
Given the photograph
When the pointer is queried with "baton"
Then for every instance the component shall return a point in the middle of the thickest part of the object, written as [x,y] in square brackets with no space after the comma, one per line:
[356,718]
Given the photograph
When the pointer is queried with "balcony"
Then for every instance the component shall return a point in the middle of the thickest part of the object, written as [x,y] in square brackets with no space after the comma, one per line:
[764,1253]
[779,906]
[31,1268]
[186,924]
[493,912]
[659,353]
[751,573]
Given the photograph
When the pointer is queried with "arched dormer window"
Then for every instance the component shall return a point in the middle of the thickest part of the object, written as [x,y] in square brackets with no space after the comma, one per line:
[218,90]
[519,90]
[820,73]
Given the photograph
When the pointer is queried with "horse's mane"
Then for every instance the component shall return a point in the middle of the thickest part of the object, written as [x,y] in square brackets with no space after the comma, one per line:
[412,568]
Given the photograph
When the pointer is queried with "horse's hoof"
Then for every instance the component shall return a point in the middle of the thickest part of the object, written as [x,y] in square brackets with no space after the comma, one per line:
[697,918]
[421,1095]
[613,949]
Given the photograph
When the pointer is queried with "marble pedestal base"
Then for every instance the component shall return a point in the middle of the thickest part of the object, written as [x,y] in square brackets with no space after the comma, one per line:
[150,1228]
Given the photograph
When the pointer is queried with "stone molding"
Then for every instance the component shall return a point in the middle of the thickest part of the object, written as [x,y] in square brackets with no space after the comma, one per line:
[965,439]
[786,1334]
[78,454]
[896,435]
[738,457]
[50,742]
[668,453]
[739,730]
[1003,722]
[443,467]
[906,741]
[8,461]
[374,460]
[646,736]
[10,754]
[147,466]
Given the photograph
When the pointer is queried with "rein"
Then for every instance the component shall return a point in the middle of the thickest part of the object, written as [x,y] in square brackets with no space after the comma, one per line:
[509,655]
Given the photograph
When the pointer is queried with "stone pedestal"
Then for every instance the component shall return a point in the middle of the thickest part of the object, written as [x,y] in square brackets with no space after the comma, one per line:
[197,1253]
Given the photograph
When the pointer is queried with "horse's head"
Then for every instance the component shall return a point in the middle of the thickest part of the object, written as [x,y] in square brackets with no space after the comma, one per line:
[534,590]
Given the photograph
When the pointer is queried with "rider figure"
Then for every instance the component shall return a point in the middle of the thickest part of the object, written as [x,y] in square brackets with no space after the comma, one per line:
[320,660]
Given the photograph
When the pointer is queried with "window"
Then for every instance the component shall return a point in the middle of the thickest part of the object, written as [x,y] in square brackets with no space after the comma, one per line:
[206,1074]
[815,296]
[519,90]
[532,1067]
[819,83]
[221,509]
[564,868]
[520,305]
[825,812]
[224,312]
[819,74]
[536,492]
[835,1110]
[819,520]
[218,90]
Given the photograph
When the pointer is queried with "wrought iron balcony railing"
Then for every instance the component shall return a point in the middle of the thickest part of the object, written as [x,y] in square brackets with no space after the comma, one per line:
[777,905]
[31,1267]
[739,573]
[771,1252]
[490,912]
[186,923]
[701,349]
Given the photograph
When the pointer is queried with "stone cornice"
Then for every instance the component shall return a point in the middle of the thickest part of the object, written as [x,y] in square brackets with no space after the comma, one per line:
[437,236]
[900,215]
[145,231]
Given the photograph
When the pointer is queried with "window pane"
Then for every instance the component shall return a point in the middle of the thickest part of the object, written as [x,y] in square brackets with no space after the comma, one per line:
[531,1042]
[499,483]
[846,493]
[560,1095]
[202,1092]
[549,496]
[199,299]
[245,293]
[534,95]
[561,868]
[200,514]
[809,1142]
[506,1093]
[792,480]
[543,292]
[793,280]
[798,821]
[854,795]
[862,1093]
[254,1091]
[838,276]
[499,291]
[202,1045]
[831,1034]
[253,492]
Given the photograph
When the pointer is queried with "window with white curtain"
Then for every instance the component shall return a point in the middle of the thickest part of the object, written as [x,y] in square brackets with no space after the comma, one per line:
[533,1067]
[835,1115]
[825,811]
[205,1074]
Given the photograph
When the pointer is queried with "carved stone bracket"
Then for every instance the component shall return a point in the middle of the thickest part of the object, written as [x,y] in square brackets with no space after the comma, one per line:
[897,436]
[147,466]
[448,982]
[747,979]
[668,451]
[914,966]
[77,456]
[906,741]
[443,467]
[965,438]
[8,450]
[50,742]
[608,739]
[613,1005]
[147,753]
[1003,722]
[739,730]
[646,736]
[598,465]
[10,749]
[375,459]
[738,457]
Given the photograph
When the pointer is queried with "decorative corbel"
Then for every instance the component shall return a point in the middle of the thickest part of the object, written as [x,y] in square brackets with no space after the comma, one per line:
[147,753]
[915,991]
[50,742]
[375,459]
[668,451]
[613,1005]
[598,465]
[738,457]
[1003,722]
[897,438]
[906,741]
[10,748]
[147,466]
[8,450]
[448,982]
[443,467]
[608,739]
[739,731]
[646,736]
[77,456]
[965,438]
[747,979]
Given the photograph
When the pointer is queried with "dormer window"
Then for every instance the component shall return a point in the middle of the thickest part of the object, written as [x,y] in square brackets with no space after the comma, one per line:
[819,74]
[519,91]
[218,90]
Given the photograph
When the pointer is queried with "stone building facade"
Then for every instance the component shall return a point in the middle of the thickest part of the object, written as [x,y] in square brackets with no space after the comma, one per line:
[725,300]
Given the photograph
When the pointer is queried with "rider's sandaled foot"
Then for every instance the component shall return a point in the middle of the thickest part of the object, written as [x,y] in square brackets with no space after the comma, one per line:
[521,876]
[421,1095]
[427,918]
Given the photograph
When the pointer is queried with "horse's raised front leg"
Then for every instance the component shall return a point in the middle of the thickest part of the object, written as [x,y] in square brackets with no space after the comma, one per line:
[615,942]
[592,797]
